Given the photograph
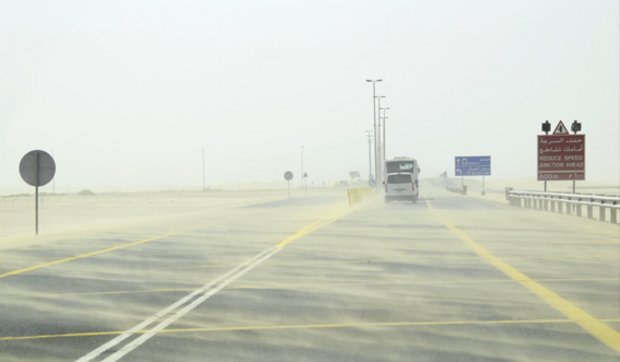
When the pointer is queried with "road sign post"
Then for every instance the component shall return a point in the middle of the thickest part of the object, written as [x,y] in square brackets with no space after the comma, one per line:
[305,177]
[561,156]
[37,168]
[288,176]
[473,166]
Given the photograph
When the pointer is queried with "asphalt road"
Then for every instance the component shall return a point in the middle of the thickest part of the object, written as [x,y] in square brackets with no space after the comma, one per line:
[452,278]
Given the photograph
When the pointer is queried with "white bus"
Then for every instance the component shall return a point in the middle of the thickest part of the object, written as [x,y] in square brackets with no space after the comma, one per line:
[401,179]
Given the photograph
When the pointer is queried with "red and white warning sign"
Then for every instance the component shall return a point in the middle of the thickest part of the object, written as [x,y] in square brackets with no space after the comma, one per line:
[560,129]
[561,156]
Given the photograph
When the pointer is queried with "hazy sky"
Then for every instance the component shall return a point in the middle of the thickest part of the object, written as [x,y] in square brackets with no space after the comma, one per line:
[126,93]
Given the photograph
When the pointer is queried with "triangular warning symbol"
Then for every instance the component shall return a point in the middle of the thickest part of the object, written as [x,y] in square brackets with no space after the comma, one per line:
[560,129]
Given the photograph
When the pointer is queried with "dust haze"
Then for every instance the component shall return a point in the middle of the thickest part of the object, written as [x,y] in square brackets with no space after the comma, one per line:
[169,231]
[126,95]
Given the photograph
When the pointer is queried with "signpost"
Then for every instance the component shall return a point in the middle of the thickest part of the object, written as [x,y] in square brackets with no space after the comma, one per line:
[473,166]
[288,176]
[561,156]
[37,168]
[305,178]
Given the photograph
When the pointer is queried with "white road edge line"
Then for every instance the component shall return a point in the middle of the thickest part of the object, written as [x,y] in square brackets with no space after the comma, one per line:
[176,309]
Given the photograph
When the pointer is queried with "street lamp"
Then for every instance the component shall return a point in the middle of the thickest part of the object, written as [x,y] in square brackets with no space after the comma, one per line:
[379,155]
[374,122]
[383,136]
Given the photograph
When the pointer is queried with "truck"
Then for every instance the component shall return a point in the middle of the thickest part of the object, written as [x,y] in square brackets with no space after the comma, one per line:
[401,179]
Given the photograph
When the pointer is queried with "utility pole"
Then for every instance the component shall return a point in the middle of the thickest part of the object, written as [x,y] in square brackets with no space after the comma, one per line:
[369,137]
[374,125]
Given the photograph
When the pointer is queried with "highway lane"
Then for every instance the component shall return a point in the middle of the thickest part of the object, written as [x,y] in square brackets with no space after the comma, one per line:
[96,283]
[378,282]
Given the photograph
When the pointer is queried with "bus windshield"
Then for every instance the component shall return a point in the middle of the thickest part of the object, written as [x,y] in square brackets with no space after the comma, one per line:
[400,166]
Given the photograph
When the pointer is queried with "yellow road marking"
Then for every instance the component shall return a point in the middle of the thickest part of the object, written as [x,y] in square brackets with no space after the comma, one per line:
[299,234]
[309,326]
[81,256]
[414,282]
[373,325]
[212,266]
[61,335]
[320,223]
[309,286]
[135,291]
[595,327]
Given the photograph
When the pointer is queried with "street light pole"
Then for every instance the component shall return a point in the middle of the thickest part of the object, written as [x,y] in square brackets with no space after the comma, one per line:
[374,125]
[379,154]
[383,136]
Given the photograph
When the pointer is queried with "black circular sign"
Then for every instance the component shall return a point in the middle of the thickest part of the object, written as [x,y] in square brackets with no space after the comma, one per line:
[37,168]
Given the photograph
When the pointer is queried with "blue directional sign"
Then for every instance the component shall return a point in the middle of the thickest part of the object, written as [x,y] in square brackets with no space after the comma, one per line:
[472,166]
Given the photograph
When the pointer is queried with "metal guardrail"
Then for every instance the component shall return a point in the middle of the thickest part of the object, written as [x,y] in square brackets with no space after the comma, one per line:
[567,203]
